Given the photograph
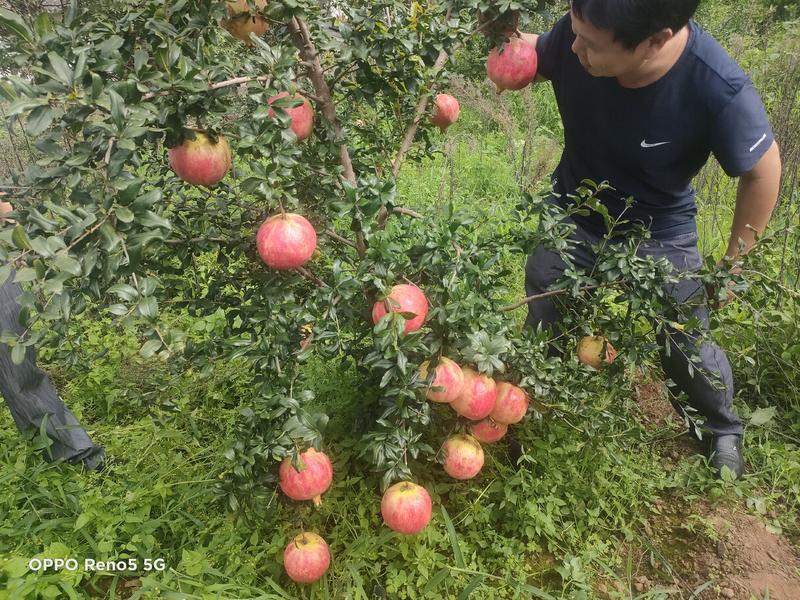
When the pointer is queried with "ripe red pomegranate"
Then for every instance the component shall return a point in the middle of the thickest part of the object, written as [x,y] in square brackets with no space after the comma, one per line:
[403,298]
[310,482]
[514,67]
[445,111]
[511,404]
[286,241]
[201,161]
[477,397]
[596,351]
[448,376]
[406,507]
[488,431]
[463,456]
[302,116]
[241,21]
[306,558]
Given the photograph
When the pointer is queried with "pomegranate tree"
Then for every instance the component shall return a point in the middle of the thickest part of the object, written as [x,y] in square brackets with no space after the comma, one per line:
[306,558]
[201,161]
[513,66]
[286,241]
[311,481]
[406,507]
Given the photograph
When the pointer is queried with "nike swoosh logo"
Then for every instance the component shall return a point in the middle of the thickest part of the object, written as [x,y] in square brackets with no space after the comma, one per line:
[758,143]
[646,145]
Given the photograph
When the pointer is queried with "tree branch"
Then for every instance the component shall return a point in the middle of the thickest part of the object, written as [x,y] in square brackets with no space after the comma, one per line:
[267,79]
[311,277]
[524,301]
[342,240]
[301,37]
[422,105]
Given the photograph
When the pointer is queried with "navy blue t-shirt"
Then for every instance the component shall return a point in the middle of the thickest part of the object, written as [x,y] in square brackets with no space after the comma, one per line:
[650,142]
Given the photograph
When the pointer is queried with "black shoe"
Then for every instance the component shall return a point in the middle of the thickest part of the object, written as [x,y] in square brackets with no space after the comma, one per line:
[92,459]
[726,451]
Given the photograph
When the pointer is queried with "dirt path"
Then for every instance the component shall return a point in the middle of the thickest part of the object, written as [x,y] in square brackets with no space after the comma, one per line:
[719,548]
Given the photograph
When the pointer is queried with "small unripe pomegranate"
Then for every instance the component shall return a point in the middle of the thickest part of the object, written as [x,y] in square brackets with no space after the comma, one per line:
[596,351]
[201,161]
[306,558]
[406,507]
[514,67]
[311,481]
[511,404]
[447,383]
[302,116]
[241,21]
[488,431]
[286,241]
[463,456]
[445,111]
[477,397]
[404,298]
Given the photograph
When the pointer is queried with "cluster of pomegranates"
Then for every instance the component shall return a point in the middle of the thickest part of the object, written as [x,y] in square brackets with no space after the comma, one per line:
[406,507]
[288,240]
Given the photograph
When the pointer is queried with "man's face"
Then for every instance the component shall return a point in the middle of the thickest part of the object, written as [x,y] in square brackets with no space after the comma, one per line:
[601,55]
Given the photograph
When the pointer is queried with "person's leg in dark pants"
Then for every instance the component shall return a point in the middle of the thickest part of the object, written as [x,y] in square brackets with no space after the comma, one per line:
[31,397]
[543,268]
[708,385]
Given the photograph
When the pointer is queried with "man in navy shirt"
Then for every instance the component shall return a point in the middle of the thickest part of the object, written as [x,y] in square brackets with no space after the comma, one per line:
[645,97]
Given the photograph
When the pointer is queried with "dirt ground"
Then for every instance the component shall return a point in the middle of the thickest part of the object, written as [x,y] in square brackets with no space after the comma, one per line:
[699,550]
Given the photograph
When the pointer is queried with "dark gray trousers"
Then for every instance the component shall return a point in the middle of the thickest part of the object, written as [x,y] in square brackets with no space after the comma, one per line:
[30,395]
[710,393]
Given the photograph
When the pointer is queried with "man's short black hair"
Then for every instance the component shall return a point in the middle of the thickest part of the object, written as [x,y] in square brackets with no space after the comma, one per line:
[633,21]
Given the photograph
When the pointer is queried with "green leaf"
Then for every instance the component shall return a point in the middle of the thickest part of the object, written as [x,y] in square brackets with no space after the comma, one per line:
[111,45]
[18,354]
[123,214]
[20,238]
[39,120]
[149,348]
[435,581]
[151,219]
[471,587]
[118,309]
[451,533]
[66,263]
[148,307]
[762,416]
[60,68]
[117,109]
[82,520]
[16,567]
[25,274]
[5,272]
[124,291]
[12,22]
